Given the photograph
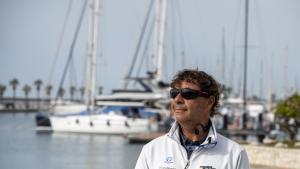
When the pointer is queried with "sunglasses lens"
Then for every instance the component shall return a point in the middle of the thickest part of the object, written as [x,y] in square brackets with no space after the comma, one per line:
[174,93]
[189,94]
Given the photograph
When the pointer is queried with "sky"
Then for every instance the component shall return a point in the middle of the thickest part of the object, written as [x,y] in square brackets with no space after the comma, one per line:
[209,32]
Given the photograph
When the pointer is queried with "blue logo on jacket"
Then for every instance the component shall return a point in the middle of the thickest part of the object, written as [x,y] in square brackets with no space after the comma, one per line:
[169,160]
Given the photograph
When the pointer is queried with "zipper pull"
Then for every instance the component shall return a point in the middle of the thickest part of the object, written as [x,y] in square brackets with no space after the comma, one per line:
[187,165]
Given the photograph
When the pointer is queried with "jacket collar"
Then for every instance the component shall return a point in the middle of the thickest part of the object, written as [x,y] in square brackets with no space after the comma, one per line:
[210,139]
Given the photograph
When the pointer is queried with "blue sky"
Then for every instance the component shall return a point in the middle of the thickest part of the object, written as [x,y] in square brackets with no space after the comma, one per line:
[30,30]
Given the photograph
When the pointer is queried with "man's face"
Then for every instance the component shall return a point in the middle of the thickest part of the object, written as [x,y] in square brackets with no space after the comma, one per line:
[191,111]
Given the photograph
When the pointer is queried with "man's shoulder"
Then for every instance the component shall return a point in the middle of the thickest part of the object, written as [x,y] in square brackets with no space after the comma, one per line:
[229,144]
[157,141]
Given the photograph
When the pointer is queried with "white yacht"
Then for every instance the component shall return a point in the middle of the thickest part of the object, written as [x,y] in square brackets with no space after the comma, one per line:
[107,120]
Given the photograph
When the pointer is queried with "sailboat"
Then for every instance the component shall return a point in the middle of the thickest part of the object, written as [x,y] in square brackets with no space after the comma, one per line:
[153,93]
[123,118]
[154,89]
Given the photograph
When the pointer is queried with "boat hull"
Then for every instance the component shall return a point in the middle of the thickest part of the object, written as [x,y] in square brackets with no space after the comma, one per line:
[101,124]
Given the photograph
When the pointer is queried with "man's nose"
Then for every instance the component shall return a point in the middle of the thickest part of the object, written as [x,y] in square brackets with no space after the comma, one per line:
[178,99]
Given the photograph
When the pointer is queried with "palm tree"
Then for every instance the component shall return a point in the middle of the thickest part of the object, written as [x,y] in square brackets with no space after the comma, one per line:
[61,92]
[100,90]
[72,92]
[82,91]
[2,90]
[38,83]
[26,90]
[48,89]
[14,83]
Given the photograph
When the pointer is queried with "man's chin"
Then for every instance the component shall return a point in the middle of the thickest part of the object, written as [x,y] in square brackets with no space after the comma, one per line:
[180,117]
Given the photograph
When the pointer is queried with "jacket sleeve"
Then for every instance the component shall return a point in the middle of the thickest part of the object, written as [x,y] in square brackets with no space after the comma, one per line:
[243,162]
[142,160]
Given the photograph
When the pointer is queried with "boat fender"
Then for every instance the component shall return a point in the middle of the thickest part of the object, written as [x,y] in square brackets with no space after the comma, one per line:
[108,123]
[126,124]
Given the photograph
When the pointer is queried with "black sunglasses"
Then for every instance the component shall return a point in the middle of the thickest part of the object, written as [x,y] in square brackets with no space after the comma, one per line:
[187,93]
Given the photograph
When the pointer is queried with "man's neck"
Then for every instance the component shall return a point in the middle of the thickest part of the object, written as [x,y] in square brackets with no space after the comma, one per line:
[189,132]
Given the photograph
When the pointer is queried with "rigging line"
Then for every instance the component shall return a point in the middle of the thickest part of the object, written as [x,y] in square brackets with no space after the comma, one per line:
[203,59]
[101,68]
[135,13]
[73,73]
[84,60]
[173,37]
[237,21]
[181,32]
[139,42]
[70,74]
[240,82]
[233,55]
[262,39]
[261,34]
[72,48]
[223,57]
[100,57]
[145,50]
[60,42]
[170,42]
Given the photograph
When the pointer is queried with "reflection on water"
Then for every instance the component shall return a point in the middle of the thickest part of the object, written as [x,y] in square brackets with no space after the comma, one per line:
[22,147]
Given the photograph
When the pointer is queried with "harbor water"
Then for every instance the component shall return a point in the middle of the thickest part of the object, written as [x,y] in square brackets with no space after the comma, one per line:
[22,147]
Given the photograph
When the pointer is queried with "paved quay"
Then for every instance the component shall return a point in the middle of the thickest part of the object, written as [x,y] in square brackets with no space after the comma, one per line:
[273,157]
[263,167]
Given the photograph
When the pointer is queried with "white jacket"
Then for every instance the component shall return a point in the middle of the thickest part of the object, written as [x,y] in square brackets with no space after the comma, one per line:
[216,152]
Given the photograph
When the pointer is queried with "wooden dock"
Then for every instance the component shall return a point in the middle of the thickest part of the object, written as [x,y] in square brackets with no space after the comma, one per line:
[142,138]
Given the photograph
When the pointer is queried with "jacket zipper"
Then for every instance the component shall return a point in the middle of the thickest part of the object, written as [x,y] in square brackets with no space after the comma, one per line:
[187,165]
[189,161]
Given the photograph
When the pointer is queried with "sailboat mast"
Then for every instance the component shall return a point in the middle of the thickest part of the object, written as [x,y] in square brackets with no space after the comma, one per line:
[92,58]
[223,58]
[286,78]
[245,55]
[159,35]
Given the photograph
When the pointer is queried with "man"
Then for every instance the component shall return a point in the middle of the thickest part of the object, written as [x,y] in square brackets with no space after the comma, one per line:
[192,142]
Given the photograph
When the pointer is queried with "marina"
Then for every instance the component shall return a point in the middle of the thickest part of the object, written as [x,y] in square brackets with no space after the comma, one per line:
[20,142]
[89,85]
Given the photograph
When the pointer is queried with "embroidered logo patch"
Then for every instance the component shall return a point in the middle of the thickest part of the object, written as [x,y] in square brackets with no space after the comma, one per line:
[169,160]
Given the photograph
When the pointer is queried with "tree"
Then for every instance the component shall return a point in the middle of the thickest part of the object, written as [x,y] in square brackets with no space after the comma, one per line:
[26,90]
[61,92]
[14,83]
[288,115]
[100,90]
[72,92]
[82,91]
[2,90]
[226,91]
[48,89]
[38,83]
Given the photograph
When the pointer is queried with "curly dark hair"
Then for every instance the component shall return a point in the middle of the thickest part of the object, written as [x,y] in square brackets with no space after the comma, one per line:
[204,81]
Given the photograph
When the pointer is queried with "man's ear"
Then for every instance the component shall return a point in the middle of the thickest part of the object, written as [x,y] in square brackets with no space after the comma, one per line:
[211,100]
